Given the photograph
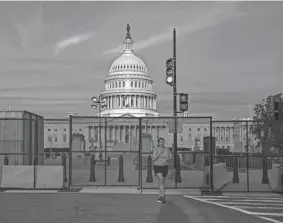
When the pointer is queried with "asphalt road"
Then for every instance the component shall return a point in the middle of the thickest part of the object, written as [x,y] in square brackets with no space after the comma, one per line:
[110,208]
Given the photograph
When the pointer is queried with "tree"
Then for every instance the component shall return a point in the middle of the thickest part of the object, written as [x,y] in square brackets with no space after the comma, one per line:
[262,126]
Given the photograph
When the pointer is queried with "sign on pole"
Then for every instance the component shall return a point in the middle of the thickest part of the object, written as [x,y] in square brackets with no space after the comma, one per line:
[179,126]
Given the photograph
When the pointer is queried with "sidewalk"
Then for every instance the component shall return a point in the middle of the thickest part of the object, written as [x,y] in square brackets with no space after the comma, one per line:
[133,190]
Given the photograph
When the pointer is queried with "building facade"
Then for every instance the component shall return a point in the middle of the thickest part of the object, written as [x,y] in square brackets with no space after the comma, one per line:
[129,95]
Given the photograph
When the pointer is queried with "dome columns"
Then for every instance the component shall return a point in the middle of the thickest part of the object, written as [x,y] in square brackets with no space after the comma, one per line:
[131,101]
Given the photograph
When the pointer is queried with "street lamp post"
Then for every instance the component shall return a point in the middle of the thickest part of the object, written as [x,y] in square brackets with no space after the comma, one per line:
[101,104]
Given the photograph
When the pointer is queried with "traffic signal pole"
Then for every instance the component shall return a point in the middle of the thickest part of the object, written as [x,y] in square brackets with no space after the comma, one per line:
[175,106]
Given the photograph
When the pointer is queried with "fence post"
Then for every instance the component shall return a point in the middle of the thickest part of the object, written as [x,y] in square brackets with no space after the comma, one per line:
[121,170]
[265,179]
[70,150]
[34,171]
[235,170]
[6,160]
[149,178]
[92,169]
[178,170]
[105,150]
[140,164]
[211,156]
[247,158]
[64,164]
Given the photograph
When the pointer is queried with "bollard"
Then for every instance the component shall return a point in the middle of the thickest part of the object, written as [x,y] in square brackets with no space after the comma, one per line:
[235,170]
[6,160]
[178,170]
[121,170]
[92,169]
[108,161]
[64,164]
[149,178]
[265,179]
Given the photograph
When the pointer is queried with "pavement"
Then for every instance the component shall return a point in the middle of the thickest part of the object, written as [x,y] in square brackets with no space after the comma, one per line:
[116,208]
[268,207]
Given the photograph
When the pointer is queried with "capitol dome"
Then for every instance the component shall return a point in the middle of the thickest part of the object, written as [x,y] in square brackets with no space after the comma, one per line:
[128,87]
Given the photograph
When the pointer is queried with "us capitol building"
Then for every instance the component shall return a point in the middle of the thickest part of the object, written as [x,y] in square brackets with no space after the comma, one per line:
[128,93]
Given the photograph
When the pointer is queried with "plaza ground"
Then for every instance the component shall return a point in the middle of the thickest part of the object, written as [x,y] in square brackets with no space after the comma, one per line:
[110,208]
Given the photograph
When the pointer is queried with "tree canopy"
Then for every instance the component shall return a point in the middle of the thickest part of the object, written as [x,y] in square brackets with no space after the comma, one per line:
[263,123]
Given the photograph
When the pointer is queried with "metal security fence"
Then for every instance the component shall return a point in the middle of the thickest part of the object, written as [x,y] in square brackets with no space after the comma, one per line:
[235,155]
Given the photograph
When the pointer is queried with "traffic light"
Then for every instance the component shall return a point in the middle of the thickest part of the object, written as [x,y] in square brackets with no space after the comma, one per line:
[183,102]
[170,71]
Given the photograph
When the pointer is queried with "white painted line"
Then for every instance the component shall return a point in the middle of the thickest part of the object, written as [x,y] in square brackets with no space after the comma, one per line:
[247,203]
[250,200]
[271,220]
[268,214]
[239,197]
[220,205]
[256,207]
[235,208]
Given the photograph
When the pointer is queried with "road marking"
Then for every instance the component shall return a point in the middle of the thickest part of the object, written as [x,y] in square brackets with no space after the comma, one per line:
[239,209]
[241,197]
[270,219]
[253,204]
[256,207]
[250,200]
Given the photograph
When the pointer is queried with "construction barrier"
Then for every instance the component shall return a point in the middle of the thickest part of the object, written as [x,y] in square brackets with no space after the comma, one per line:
[31,177]
[50,177]
[276,180]
[17,176]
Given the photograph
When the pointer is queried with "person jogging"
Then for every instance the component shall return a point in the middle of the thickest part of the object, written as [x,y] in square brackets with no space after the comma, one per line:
[160,158]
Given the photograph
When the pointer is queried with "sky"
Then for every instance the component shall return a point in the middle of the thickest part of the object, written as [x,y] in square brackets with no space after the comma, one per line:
[54,56]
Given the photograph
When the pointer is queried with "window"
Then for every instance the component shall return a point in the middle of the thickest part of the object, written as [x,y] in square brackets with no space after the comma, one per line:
[119,84]
[139,84]
[80,130]
[124,84]
[49,138]
[221,139]
[181,138]
[136,85]
[49,130]
[131,84]
[227,130]
[227,139]
[198,129]
[64,130]
[190,129]
[205,129]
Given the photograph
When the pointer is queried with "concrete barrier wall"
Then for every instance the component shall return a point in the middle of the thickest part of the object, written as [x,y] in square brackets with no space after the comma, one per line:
[17,176]
[220,176]
[49,177]
[22,176]
[276,178]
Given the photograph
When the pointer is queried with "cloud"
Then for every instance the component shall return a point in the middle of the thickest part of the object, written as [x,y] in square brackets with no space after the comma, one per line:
[218,14]
[73,40]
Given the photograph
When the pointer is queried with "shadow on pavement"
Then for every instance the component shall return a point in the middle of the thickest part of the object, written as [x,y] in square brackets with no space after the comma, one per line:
[170,212]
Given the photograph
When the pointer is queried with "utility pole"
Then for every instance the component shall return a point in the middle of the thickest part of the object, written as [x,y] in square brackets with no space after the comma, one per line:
[171,79]
[175,136]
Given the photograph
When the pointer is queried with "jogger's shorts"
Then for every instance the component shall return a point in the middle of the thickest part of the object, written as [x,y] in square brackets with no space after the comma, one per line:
[161,169]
